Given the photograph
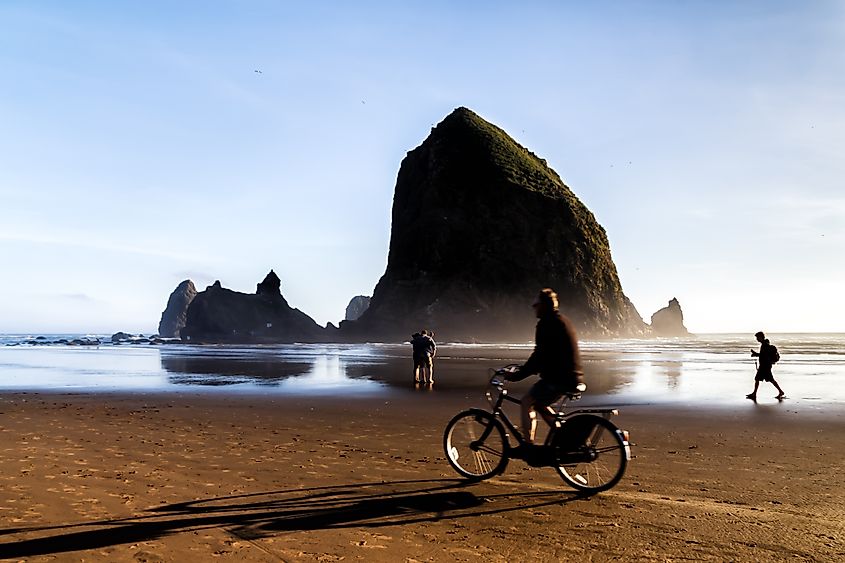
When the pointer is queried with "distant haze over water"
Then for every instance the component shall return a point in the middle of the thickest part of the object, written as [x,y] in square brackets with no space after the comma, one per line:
[713,368]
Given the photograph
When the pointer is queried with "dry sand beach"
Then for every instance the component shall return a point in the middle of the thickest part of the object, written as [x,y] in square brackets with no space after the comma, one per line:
[198,477]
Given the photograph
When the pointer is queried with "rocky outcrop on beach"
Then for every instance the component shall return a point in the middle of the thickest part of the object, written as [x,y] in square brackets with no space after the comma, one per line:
[222,315]
[669,321]
[357,306]
[480,224]
[44,341]
[176,312]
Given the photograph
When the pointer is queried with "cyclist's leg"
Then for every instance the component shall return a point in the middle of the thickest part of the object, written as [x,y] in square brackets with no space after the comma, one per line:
[548,414]
[529,418]
[538,400]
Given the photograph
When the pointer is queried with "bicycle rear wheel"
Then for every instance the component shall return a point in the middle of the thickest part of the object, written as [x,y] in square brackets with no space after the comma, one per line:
[476,444]
[597,459]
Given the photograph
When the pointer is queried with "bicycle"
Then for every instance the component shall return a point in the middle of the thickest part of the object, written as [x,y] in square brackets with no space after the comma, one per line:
[587,450]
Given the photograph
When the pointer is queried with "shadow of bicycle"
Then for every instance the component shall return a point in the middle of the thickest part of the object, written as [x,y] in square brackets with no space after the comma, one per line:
[258,515]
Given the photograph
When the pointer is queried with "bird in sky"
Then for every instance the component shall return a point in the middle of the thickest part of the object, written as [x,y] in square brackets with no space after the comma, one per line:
[258,71]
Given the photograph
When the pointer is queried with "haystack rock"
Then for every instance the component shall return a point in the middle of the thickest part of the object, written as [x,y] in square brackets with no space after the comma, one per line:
[669,321]
[480,224]
[357,306]
[174,315]
[222,315]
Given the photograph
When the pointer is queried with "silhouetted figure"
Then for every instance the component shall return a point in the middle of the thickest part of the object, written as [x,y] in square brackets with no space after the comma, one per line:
[556,358]
[430,351]
[416,345]
[424,351]
[768,356]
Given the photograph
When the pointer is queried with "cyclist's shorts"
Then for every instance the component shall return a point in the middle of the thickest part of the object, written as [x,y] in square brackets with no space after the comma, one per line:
[545,393]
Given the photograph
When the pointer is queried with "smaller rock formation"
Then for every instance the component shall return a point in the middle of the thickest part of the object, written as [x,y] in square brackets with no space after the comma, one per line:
[222,315]
[174,315]
[356,307]
[669,321]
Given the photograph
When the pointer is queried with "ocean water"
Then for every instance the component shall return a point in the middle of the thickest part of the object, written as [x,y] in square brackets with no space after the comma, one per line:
[711,367]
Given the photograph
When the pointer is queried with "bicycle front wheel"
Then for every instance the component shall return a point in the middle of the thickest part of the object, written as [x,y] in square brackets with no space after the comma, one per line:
[591,452]
[476,444]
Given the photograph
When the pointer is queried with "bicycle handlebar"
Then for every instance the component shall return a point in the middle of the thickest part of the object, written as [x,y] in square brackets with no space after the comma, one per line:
[500,375]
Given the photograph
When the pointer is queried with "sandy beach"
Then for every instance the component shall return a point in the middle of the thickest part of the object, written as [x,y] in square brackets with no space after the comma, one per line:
[198,477]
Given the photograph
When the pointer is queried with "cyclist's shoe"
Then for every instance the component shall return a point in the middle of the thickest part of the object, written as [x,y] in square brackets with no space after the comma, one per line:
[522,451]
[535,456]
[540,456]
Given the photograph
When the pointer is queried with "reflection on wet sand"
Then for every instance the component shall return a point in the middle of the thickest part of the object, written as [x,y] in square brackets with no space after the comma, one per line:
[304,367]
[297,371]
[300,366]
[189,370]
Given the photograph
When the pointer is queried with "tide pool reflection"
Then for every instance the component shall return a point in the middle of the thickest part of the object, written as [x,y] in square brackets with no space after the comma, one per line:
[652,376]
[290,371]
[328,373]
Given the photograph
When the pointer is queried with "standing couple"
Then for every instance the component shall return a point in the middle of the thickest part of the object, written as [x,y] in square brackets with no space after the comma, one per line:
[424,351]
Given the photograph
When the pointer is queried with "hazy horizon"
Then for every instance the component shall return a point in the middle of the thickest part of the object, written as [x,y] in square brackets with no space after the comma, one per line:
[150,143]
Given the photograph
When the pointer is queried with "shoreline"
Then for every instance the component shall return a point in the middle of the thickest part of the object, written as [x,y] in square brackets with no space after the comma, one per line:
[719,372]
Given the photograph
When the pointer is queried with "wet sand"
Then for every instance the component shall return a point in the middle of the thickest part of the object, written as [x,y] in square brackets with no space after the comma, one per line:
[199,477]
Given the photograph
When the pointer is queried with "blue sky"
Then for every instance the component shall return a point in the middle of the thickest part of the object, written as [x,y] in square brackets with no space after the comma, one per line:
[139,147]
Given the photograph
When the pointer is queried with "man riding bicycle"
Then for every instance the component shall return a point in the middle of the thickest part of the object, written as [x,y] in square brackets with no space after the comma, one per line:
[556,358]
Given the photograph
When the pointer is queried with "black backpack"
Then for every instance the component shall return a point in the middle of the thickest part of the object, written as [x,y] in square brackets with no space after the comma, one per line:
[774,355]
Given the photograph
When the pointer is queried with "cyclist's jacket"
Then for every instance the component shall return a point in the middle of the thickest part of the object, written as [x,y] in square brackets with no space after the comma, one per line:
[556,356]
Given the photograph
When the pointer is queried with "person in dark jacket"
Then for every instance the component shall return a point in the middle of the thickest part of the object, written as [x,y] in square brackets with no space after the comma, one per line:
[556,359]
[764,370]
[424,349]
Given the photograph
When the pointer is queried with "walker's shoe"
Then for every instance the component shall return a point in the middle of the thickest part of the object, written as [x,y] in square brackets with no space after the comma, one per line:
[751,396]
[781,396]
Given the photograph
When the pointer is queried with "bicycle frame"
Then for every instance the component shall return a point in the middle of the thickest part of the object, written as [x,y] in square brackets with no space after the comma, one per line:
[558,411]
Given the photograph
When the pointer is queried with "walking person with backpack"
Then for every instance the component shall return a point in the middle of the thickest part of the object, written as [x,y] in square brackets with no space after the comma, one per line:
[769,356]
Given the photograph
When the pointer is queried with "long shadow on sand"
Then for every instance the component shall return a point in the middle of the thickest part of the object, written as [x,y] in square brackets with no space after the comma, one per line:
[257,515]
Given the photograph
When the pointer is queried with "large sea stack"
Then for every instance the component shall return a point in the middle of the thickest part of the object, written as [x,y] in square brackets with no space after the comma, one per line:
[222,315]
[175,314]
[479,225]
